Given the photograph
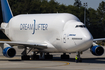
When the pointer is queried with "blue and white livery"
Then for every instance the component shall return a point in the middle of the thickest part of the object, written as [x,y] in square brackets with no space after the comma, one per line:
[45,33]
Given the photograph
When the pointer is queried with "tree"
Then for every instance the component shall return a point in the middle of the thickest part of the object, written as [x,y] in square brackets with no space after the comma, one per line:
[44,6]
[101,13]
[77,3]
[93,23]
[53,6]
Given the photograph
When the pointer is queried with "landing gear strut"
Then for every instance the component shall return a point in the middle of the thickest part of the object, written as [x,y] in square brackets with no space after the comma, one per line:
[27,57]
[24,55]
[64,56]
[78,58]
[34,56]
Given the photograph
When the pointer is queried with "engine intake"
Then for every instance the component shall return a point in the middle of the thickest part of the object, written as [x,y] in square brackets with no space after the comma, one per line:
[97,50]
[9,52]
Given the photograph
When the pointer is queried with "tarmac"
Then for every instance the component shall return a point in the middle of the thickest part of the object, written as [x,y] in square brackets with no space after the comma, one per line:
[89,62]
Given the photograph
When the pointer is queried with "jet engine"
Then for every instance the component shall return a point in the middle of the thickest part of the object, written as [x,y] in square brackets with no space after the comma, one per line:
[97,50]
[9,52]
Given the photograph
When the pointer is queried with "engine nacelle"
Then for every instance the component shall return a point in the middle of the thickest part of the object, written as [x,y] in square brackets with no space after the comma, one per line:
[97,50]
[9,52]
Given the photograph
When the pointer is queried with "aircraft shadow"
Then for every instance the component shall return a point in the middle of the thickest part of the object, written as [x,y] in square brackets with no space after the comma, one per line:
[94,60]
[84,60]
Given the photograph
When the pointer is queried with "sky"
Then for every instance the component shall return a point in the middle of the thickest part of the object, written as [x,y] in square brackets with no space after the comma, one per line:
[91,3]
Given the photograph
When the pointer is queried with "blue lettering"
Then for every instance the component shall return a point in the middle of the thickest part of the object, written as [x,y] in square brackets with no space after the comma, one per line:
[28,27]
[72,34]
[25,26]
[21,26]
[46,26]
[38,26]
[31,27]
[34,26]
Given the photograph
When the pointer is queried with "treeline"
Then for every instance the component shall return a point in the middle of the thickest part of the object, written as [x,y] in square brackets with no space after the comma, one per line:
[95,19]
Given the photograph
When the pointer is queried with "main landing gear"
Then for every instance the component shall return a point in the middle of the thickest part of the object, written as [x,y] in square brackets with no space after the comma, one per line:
[78,58]
[24,55]
[48,56]
[64,56]
[34,56]
[27,57]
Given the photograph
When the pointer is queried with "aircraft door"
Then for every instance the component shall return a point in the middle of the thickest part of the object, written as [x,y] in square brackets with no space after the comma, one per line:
[68,43]
[64,38]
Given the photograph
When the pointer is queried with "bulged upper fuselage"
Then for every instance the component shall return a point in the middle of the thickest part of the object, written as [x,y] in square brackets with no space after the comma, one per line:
[64,31]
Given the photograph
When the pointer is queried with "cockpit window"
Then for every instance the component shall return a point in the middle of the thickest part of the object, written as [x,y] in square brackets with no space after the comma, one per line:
[81,26]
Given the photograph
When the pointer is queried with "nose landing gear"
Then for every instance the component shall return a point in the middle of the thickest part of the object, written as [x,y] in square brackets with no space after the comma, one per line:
[78,58]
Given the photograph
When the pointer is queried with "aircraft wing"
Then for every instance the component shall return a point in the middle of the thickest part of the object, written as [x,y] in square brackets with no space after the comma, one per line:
[27,44]
[99,39]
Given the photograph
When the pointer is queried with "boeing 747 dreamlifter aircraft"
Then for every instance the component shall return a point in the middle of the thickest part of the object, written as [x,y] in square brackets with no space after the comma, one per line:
[45,33]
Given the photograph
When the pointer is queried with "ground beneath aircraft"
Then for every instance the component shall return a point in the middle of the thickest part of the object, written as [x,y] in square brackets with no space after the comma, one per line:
[90,62]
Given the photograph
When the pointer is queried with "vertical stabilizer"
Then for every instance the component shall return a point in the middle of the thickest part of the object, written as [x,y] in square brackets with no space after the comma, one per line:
[6,11]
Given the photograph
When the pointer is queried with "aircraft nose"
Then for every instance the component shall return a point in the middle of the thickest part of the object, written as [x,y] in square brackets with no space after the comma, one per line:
[87,36]
[86,40]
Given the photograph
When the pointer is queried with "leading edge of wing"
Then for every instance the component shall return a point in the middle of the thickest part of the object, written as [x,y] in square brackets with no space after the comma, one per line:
[26,44]
[99,39]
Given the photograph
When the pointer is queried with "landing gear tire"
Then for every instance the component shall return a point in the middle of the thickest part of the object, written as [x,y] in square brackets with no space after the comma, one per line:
[80,60]
[64,56]
[48,56]
[25,57]
[34,57]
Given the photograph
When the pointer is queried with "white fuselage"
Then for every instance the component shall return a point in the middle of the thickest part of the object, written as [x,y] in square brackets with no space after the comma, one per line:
[57,30]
